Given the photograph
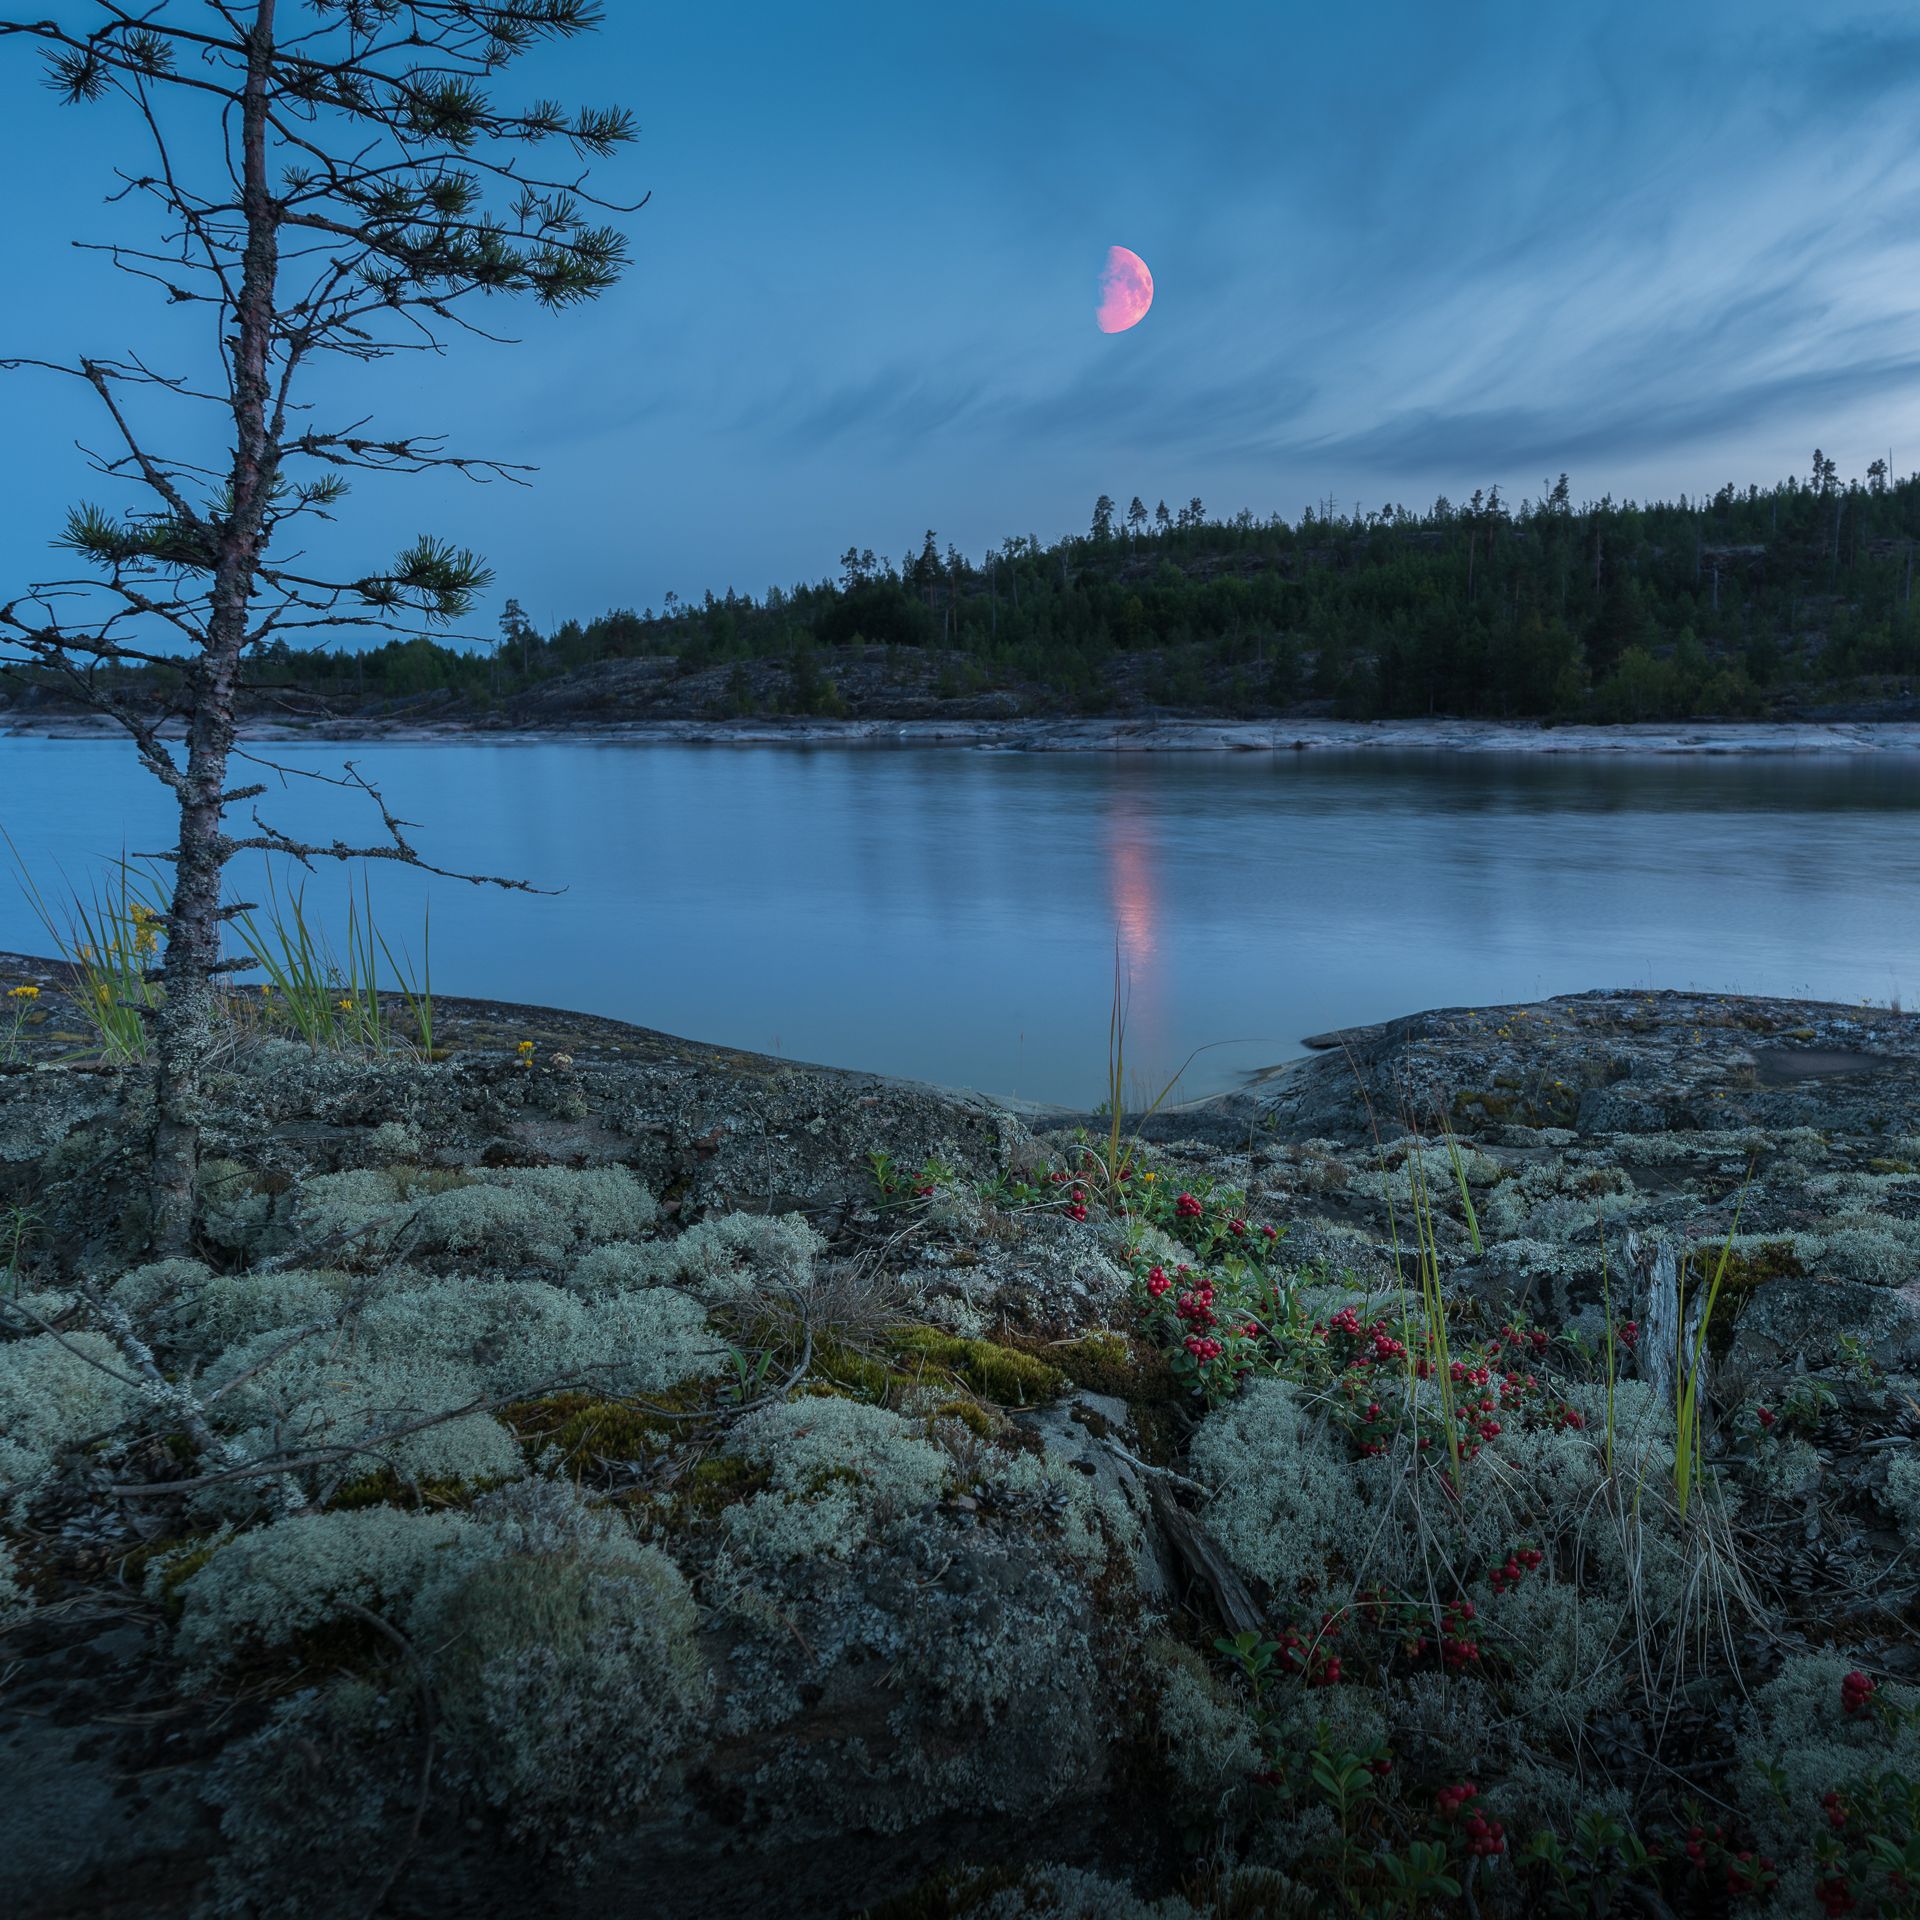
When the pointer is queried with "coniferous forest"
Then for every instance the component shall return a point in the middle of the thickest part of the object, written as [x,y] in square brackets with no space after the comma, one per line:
[1757,602]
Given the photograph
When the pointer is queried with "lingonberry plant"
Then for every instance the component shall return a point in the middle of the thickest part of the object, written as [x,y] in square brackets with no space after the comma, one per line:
[1465,1419]
[1869,1857]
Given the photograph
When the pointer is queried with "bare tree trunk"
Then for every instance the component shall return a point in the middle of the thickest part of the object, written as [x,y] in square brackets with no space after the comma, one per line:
[183,1036]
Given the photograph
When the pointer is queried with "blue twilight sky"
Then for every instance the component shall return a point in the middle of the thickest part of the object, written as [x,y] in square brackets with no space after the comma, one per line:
[1399,250]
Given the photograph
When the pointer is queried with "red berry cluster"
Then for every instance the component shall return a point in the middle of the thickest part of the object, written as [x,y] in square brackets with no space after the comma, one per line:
[1459,1637]
[1316,1659]
[1629,1334]
[1188,1208]
[1746,1873]
[1374,1426]
[1855,1691]
[1512,1336]
[1479,1413]
[1838,1813]
[1197,1305]
[1519,1563]
[1835,1895]
[1356,1346]
[1460,1804]
[1765,1415]
[1077,1206]
[1749,1872]
[1157,1282]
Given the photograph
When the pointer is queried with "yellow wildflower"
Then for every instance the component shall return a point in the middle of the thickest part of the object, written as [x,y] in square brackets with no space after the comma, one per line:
[525,1051]
[23,993]
[105,994]
[1149,1176]
[343,1006]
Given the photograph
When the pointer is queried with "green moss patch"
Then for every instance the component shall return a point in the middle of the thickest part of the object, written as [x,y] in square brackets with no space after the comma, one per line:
[1753,1266]
[585,1427]
[1123,1369]
[388,1489]
[856,1374]
[717,1483]
[971,1415]
[183,1558]
[1000,1374]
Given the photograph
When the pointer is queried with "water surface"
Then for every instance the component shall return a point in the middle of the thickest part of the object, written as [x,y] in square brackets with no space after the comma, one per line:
[953,915]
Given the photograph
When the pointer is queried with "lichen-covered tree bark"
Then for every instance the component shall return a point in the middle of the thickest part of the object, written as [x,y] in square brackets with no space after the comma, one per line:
[334,179]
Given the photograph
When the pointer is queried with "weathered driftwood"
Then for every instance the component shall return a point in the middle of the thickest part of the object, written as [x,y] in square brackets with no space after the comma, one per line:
[1668,1332]
[1204,1560]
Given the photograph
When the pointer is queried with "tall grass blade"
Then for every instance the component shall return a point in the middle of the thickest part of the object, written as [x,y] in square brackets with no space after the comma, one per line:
[1687,1456]
[1460,1180]
[110,940]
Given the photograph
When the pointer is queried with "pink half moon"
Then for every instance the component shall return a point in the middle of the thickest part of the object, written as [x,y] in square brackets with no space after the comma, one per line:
[1126,291]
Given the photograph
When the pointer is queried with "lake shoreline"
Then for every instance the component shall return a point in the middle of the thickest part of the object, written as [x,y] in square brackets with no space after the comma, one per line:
[1708,739]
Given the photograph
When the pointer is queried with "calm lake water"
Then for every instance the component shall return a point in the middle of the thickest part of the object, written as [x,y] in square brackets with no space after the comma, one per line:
[952,915]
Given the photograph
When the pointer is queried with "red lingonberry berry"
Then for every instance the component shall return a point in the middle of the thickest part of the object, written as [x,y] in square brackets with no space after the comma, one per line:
[1835,1895]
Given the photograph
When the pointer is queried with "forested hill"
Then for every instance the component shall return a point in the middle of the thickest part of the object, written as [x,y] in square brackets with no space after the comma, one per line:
[1789,599]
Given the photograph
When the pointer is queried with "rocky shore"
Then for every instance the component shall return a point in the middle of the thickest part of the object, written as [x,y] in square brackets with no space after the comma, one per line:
[590,1471]
[1065,735]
